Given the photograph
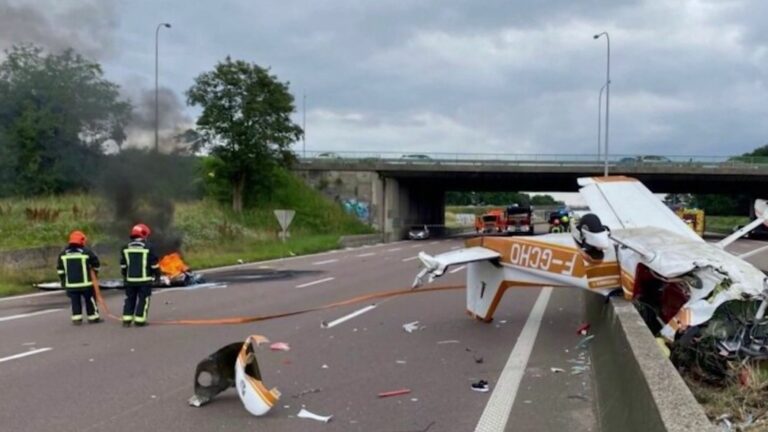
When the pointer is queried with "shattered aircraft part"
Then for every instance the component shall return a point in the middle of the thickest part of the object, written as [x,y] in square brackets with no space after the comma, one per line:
[630,242]
[234,365]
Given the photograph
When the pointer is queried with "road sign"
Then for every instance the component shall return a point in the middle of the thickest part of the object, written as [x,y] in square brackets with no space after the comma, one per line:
[284,218]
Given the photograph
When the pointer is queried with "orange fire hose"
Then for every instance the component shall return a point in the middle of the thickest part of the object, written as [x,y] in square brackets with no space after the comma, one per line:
[245,319]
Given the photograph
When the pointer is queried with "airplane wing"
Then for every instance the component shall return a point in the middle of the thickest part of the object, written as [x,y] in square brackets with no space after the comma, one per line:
[435,266]
[623,202]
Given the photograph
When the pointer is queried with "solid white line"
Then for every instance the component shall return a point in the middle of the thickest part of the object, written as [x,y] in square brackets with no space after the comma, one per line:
[21,297]
[325,262]
[415,246]
[410,259]
[394,249]
[458,269]
[366,254]
[349,317]
[315,282]
[496,412]
[25,354]
[31,314]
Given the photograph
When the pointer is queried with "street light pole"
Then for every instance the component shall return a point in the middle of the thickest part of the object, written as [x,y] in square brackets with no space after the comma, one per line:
[304,126]
[157,103]
[599,118]
[607,96]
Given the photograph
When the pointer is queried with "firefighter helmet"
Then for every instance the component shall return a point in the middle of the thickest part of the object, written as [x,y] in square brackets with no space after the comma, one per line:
[77,238]
[140,230]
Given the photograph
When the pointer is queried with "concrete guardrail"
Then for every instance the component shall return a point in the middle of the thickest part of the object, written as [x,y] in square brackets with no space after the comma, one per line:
[638,388]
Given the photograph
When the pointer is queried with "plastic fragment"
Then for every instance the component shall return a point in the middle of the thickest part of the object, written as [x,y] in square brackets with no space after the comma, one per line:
[584,342]
[280,346]
[583,329]
[398,392]
[411,326]
[449,341]
[306,392]
[312,416]
[556,370]
[400,361]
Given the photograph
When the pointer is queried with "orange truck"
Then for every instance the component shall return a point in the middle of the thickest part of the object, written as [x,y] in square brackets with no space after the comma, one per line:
[492,221]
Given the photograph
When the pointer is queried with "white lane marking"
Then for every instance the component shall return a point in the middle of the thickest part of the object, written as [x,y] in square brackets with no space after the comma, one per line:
[410,259]
[394,249]
[30,314]
[21,297]
[366,254]
[325,262]
[434,242]
[496,412]
[415,246]
[338,321]
[328,279]
[458,269]
[25,354]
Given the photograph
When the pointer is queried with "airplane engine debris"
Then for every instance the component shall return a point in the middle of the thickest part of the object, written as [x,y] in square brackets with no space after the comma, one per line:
[696,295]
[234,365]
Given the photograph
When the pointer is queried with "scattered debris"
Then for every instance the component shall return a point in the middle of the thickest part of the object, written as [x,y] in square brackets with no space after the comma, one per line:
[411,326]
[478,359]
[579,397]
[29,343]
[583,329]
[450,341]
[240,261]
[153,396]
[394,392]
[232,366]
[280,346]
[556,370]
[503,322]
[325,366]
[414,399]
[306,392]
[584,342]
[400,361]
[312,416]
[480,386]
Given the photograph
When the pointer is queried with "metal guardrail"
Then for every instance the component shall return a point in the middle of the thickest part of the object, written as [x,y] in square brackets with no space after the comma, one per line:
[625,160]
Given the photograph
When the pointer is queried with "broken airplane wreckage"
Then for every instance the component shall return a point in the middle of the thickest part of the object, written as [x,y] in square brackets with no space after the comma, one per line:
[689,291]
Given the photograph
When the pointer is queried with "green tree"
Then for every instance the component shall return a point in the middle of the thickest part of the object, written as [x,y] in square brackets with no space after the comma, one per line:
[56,111]
[543,200]
[247,119]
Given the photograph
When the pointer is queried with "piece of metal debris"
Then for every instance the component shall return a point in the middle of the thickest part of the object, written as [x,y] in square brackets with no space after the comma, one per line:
[401,361]
[411,326]
[584,342]
[579,397]
[556,370]
[397,392]
[280,346]
[449,341]
[306,392]
[478,359]
[312,416]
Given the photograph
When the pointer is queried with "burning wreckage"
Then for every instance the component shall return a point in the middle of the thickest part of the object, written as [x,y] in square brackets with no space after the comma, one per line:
[174,273]
[700,298]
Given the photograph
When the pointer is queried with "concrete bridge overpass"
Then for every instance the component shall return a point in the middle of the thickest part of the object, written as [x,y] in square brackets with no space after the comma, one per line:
[403,191]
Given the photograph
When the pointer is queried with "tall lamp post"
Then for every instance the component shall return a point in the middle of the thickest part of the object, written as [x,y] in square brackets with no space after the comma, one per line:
[607,95]
[599,118]
[157,103]
[304,126]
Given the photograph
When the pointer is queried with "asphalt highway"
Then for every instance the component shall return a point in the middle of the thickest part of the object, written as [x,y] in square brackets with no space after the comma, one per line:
[58,377]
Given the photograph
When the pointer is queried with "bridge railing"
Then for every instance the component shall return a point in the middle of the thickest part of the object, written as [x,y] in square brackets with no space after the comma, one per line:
[535,159]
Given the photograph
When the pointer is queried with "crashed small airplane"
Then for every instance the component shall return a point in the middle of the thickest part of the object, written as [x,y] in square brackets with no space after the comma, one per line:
[630,243]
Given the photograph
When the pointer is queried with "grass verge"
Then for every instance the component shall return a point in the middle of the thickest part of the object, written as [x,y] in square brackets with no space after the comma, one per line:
[724,224]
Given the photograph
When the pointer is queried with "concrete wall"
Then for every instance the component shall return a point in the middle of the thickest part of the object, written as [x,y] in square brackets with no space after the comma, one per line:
[638,389]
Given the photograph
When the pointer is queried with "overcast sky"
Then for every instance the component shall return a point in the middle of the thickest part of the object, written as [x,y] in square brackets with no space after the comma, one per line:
[688,77]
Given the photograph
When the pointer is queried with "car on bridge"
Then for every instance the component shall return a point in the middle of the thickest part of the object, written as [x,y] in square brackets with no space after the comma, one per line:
[328,155]
[646,159]
[416,158]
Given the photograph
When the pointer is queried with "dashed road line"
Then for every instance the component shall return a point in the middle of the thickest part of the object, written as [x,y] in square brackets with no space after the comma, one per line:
[394,249]
[325,262]
[25,354]
[358,312]
[366,255]
[328,279]
[410,258]
[22,297]
[30,314]
[458,269]
[496,412]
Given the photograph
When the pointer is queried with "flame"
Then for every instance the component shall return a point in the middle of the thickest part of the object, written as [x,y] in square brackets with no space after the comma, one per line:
[172,265]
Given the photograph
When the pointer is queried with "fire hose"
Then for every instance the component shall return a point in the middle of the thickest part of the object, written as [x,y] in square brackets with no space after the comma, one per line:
[379,295]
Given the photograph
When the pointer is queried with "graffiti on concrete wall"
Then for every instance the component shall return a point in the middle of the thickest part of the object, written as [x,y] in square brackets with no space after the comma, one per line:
[360,209]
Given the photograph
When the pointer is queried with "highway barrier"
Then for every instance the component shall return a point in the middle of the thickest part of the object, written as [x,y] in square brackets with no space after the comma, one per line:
[637,387]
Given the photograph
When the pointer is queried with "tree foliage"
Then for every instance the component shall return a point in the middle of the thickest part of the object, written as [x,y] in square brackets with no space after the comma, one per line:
[56,110]
[246,119]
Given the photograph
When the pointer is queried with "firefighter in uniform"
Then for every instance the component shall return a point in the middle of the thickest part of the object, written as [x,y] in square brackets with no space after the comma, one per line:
[75,264]
[140,269]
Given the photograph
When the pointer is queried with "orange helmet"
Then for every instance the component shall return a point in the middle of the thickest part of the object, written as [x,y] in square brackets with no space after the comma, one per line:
[140,230]
[77,238]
